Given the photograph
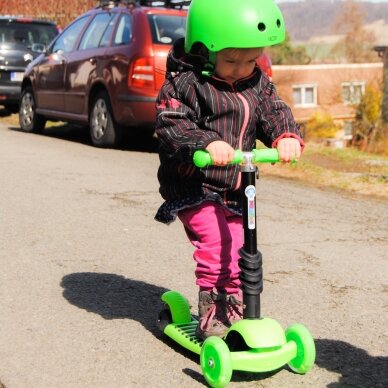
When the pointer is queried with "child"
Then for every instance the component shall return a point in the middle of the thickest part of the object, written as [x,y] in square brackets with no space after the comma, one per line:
[216,98]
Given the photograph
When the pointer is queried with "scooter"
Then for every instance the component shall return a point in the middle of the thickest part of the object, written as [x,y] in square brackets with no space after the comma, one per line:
[254,343]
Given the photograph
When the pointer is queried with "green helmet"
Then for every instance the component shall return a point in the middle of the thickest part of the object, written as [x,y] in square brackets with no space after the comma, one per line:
[220,24]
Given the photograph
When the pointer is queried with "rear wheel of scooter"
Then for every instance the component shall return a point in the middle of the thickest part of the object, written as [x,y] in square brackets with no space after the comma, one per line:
[164,318]
[216,362]
[305,357]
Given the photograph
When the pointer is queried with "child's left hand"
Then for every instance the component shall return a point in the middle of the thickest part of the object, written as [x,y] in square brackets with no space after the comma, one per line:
[289,149]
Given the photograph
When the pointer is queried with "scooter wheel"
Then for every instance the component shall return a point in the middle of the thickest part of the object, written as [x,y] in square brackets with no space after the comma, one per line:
[164,318]
[216,362]
[305,346]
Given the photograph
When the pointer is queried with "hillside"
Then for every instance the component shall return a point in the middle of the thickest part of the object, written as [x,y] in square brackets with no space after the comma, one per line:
[307,20]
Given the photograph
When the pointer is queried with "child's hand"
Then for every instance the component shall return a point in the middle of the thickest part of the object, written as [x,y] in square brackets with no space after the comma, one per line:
[221,152]
[289,149]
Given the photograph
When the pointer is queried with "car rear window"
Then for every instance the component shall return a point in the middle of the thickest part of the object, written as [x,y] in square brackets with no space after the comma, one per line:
[26,33]
[166,29]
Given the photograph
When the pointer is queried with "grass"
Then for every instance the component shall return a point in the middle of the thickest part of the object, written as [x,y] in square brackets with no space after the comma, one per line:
[345,169]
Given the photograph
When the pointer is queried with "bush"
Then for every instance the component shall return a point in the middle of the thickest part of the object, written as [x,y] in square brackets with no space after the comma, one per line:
[321,126]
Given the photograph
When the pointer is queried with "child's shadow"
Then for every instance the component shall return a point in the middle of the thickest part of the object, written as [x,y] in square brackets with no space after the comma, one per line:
[115,297]
[356,366]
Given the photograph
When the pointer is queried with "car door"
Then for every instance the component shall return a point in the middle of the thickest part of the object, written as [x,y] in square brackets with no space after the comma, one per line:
[84,64]
[50,80]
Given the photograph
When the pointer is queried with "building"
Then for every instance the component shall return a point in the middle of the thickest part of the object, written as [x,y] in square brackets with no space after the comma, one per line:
[330,88]
[335,89]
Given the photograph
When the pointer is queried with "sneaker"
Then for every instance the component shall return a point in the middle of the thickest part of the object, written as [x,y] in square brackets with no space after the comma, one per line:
[212,315]
[234,307]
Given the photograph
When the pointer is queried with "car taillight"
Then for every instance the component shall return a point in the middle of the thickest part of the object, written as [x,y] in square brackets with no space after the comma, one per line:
[142,73]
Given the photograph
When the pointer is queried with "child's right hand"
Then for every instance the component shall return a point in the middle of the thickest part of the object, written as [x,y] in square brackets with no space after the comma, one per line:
[221,152]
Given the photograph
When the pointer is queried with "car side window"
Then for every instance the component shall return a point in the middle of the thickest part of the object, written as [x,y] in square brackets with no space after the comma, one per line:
[66,41]
[124,31]
[105,40]
[95,31]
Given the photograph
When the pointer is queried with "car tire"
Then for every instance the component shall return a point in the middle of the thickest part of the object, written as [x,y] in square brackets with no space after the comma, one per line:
[29,120]
[103,130]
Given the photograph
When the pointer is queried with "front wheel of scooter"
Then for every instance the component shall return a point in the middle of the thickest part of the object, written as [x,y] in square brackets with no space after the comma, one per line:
[305,346]
[216,362]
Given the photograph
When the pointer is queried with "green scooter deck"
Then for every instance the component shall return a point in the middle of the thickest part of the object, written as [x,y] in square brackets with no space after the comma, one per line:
[181,325]
[184,335]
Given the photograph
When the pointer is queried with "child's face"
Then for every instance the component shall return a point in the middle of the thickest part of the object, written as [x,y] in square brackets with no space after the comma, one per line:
[233,64]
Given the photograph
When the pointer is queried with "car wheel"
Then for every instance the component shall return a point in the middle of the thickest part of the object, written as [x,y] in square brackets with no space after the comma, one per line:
[103,130]
[29,120]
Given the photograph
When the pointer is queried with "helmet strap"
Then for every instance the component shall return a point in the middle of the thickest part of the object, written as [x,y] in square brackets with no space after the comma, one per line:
[210,65]
[208,70]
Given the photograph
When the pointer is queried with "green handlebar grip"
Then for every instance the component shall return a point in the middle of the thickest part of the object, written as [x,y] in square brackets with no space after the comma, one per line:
[203,159]
[266,155]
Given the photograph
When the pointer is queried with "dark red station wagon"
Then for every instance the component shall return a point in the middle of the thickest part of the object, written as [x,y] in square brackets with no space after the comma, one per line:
[104,70]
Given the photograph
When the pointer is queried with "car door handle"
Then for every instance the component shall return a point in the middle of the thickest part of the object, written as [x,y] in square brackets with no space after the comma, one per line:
[92,61]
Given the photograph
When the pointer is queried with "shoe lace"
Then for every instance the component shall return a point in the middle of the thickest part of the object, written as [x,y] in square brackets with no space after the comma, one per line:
[213,316]
[234,308]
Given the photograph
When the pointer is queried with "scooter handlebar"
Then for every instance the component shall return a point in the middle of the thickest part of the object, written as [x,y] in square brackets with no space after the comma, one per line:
[203,159]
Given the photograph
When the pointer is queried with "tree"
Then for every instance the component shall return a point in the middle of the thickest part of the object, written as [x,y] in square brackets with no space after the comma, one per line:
[384,105]
[286,54]
[357,43]
[62,12]
[367,128]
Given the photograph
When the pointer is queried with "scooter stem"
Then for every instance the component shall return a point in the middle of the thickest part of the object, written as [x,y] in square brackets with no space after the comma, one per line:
[250,263]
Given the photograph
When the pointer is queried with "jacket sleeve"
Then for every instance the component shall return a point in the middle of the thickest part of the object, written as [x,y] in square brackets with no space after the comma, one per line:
[176,122]
[275,117]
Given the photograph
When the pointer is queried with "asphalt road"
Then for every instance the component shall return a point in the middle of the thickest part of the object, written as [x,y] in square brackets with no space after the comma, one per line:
[83,265]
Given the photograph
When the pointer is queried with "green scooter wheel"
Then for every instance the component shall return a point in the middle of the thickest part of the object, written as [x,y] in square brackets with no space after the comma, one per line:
[216,362]
[305,346]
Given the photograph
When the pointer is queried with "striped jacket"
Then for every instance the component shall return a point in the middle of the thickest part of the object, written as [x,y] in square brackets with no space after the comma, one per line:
[194,110]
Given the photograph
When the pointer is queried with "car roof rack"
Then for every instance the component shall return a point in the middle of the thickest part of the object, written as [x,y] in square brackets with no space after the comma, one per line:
[166,3]
[115,3]
[179,4]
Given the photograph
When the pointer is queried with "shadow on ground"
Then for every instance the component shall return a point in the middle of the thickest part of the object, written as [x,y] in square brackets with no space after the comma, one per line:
[116,297]
[356,367]
[140,139]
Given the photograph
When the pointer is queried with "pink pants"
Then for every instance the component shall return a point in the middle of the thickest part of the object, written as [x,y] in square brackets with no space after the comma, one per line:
[217,235]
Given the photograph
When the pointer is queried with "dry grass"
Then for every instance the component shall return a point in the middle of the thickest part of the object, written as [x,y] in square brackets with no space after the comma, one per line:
[344,169]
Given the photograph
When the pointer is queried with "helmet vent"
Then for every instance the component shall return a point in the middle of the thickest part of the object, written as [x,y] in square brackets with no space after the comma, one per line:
[278,23]
[261,27]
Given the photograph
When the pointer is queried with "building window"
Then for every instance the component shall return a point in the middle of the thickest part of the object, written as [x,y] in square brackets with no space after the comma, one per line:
[352,92]
[304,95]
